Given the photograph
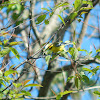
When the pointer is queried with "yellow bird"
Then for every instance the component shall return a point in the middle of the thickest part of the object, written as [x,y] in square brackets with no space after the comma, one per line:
[56,47]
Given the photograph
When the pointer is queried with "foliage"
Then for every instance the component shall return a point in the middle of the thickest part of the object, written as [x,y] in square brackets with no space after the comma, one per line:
[6,47]
[10,77]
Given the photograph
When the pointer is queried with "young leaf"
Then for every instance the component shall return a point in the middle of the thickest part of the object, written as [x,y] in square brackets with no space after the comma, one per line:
[86,69]
[86,8]
[74,53]
[26,93]
[98,50]
[8,72]
[30,85]
[69,78]
[40,19]
[11,66]
[61,4]
[77,4]
[61,19]
[0,43]
[77,82]
[97,93]
[5,41]
[73,15]
[15,43]
[45,9]
[5,51]
[17,95]
[8,78]
[3,33]
[17,85]
[51,14]
[88,2]
[62,93]
[82,50]
[46,22]
[94,71]
[85,78]
[74,34]
[97,56]
[15,52]
[83,12]
[25,82]
[53,56]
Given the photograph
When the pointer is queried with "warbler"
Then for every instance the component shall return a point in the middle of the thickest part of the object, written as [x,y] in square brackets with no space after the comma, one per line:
[56,47]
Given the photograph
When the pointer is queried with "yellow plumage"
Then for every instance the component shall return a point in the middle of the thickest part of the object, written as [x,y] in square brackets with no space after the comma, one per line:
[56,47]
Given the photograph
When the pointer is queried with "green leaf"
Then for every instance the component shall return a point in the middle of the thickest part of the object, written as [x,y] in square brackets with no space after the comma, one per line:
[1,95]
[85,78]
[26,93]
[86,69]
[47,58]
[83,12]
[40,19]
[62,93]
[82,50]
[15,16]
[98,50]
[63,54]
[88,2]
[45,9]
[90,53]
[61,19]
[97,93]
[30,85]
[25,82]
[94,71]
[3,84]
[4,4]
[11,66]
[17,95]
[5,41]
[17,84]
[74,35]
[14,51]
[74,53]
[15,43]
[73,15]
[1,43]
[5,51]
[61,4]
[53,57]
[77,82]
[69,78]
[86,8]
[97,56]
[8,78]
[8,72]
[77,4]
[46,21]
[51,14]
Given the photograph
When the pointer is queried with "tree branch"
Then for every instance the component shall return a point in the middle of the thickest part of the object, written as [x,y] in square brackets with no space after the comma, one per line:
[49,76]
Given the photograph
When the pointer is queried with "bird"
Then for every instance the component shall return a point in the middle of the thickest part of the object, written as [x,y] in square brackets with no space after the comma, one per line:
[56,46]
